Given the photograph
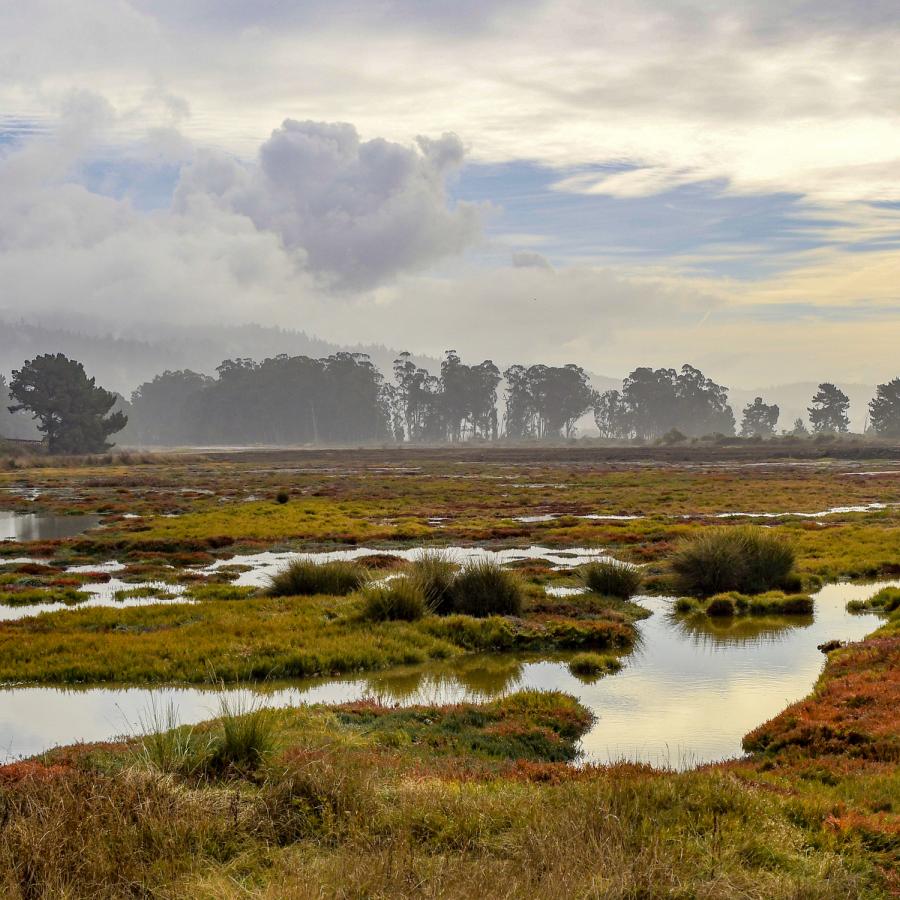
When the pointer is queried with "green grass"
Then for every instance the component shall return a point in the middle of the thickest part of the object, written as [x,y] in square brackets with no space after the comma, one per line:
[434,573]
[745,558]
[398,599]
[485,588]
[306,577]
[591,666]
[611,579]
[247,737]
[887,600]
[265,638]
[733,603]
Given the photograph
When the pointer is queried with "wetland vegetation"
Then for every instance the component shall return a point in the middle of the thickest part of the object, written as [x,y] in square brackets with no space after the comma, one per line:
[370,799]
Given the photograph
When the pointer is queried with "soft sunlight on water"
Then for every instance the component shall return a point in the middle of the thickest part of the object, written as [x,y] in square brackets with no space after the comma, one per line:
[687,694]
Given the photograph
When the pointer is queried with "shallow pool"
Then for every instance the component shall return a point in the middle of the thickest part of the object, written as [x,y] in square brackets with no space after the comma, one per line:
[687,694]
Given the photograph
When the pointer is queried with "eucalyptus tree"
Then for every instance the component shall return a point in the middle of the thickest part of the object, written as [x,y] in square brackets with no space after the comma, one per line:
[546,401]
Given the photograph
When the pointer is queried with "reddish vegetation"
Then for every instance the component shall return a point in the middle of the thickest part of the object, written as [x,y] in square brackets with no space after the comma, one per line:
[855,709]
[13,773]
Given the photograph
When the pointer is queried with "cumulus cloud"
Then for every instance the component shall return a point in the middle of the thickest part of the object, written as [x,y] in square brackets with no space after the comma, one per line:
[357,211]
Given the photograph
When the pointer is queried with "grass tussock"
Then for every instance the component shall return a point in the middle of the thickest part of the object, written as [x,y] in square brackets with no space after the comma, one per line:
[733,603]
[745,558]
[485,588]
[434,573]
[591,666]
[306,577]
[611,578]
[238,742]
[400,599]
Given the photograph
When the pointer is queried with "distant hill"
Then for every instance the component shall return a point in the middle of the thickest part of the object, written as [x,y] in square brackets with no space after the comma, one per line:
[122,362]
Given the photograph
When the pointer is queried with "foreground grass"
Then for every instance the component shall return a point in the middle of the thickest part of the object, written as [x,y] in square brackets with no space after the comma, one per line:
[266,638]
[364,800]
[368,801]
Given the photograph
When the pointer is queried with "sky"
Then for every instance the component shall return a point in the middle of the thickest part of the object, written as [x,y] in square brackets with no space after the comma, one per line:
[616,184]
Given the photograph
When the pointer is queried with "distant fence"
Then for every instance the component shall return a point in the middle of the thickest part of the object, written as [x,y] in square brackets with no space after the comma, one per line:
[21,442]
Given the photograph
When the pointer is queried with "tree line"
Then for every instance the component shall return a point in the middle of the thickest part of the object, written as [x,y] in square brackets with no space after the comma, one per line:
[344,398]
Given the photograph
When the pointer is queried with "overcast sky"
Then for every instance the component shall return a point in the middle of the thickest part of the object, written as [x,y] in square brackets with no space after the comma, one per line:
[611,183]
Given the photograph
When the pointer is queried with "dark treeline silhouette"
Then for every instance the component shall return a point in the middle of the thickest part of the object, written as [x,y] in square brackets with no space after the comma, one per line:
[653,402]
[343,398]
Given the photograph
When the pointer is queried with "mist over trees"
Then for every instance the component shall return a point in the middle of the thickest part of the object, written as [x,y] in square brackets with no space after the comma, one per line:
[344,398]
[282,400]
[759,419]
[884,409]
[653,402]
[72,412]
[828,413]
[545,401]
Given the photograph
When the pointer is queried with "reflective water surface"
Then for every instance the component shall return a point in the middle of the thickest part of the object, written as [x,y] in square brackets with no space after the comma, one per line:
[16,526]
[687,694]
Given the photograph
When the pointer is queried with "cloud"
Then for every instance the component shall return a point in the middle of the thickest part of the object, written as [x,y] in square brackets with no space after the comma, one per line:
[792,96]
[525,259]
[358,211]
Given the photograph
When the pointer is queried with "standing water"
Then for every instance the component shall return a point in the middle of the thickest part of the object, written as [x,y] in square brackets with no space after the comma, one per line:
[688,693]
[35,527]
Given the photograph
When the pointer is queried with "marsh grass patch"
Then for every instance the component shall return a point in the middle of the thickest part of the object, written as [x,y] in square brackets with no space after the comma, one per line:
[306,577]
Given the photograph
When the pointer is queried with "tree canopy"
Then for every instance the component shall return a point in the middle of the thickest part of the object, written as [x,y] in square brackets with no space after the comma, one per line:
[653,402]
[828,413]
[71,410]
[759,419]
[884,409]
[545,401]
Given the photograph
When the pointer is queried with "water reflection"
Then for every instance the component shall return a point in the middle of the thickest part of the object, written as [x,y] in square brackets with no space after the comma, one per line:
[738,629]
[35,527]
[686,695]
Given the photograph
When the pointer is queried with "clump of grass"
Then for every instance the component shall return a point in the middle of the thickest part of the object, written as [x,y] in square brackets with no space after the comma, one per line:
[720,606]
[434,574]
[734,603]
[485,588]
[611,578]
[399,599]
[592,665]
[305,577]
[168,746]
[887,600]
[743,558]
[247,736]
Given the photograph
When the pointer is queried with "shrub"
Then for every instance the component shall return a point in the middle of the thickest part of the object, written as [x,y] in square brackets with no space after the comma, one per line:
[282,497]
[400,598]
[304,577]
[743,558]
[485,588]
[611,578]
[593,665]
[434,573]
